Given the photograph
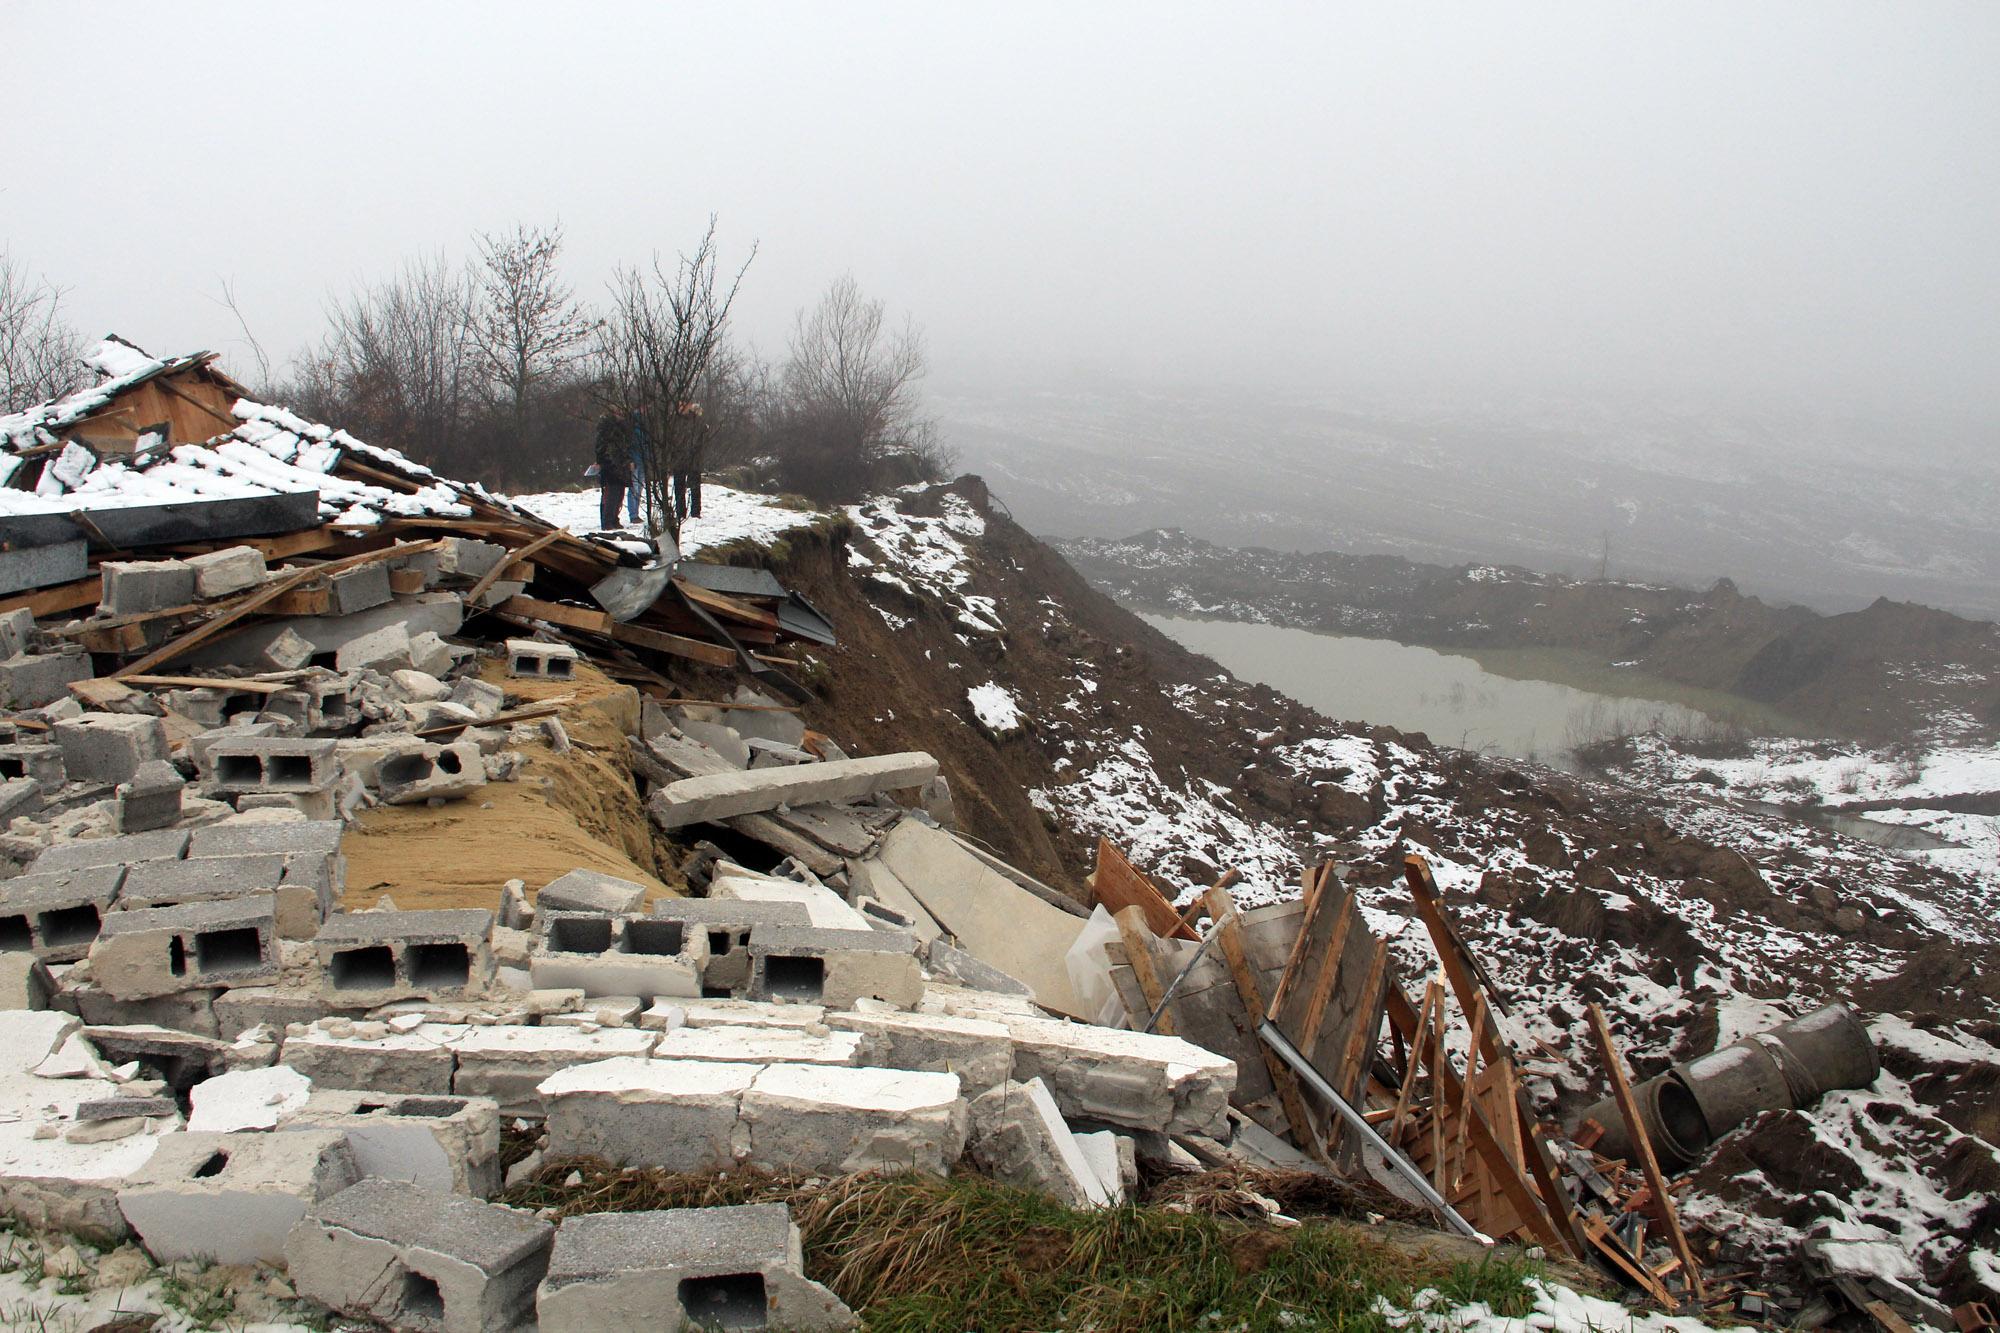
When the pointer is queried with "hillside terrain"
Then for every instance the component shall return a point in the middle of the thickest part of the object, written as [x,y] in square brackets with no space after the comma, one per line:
[1060,717]
[1891,671]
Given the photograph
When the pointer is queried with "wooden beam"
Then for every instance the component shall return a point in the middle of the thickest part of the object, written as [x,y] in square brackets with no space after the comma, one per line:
[1642,1148]
[1313,890]
[270,592]
[209,683]
[55,600]
[722,605]
[1139,937]
[1119,884]
[597,622]
[1414,1065]
[1329,970]
[492,576]
[1362,1031]
[1229,934]
[229,423]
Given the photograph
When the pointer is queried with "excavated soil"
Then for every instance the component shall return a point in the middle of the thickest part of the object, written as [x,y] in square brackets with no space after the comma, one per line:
[563,812]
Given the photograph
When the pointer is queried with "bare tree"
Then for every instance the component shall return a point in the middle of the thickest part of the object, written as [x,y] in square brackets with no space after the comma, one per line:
[657,349]
[849,398]
[264,382]
[403,358]
[40,354]
[527,324]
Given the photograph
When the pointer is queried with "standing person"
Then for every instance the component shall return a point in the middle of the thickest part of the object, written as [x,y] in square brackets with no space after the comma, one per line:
[641,449]
[693,441]
[614,464]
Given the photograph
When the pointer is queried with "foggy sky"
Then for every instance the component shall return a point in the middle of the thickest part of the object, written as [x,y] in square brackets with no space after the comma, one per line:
[1772,202]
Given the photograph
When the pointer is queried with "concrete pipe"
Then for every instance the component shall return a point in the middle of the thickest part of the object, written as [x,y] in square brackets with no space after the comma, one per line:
[1693,1104]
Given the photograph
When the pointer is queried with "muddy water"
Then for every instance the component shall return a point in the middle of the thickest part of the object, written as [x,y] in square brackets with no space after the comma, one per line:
[1451,699]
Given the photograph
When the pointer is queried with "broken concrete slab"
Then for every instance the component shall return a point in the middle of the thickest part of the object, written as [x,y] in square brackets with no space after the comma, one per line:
[450,1144]
[724,741]
[677,1115]
[591,891]
[179,1059]
[723,795]
[25,982]
[834,968]
[342,1053]
[842,1120]
[506,1063]
[35,680]
[1018,1137]
[419,1258]
[232,1198]
[246,1099]
[872,879]
[759,1045]
[978,1050]
[432,773]
[824,907]
[109,747]
[727,1267]
[160,950]
[719,1012]
[1141,1080]
[987,914]
[961,968]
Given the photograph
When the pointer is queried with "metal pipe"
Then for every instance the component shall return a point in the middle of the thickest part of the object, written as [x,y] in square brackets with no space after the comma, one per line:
[1167,996]
[1401,1165]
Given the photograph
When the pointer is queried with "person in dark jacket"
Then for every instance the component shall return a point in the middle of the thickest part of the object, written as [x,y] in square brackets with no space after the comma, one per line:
[614,464]
[693,442]
[641,449]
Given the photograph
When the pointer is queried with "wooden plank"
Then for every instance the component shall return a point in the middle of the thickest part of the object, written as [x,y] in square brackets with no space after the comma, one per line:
[55,600]
[1642,1148]
[208,629]
[1450,948]
[229,423]
[1362,1031]
[1605,1243]
[1119,884]
[116,640]
[1517,1191]
[1475,1025]
[1313,889]
[1138,937]
[1414,1065]
[597,622]
[492,576]
[716,603]
[1329,970]
[1229,935]
[281,547]
[209,683]
[306,601]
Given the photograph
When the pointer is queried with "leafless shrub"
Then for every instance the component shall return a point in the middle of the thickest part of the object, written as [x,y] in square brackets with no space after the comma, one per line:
[40,353]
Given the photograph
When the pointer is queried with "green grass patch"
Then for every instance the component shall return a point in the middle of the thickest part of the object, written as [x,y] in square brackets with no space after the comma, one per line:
[913,1253]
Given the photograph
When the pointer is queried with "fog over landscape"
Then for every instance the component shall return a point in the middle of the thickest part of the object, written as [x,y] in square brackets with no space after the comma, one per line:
[1707,289]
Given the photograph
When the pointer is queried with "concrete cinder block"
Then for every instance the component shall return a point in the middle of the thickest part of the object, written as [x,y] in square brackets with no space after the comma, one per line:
[241,1008]
[482,698]
[1138,1080]
[678,1115]
[232,1198]
[40,763]
[25,982]
[1018,1137]
[358,589]
[232,569]
[304,886]
[125,850]
[758,1045]
[729,1267]
[17,632]
[242,839]
[376,957]
[435,772]
[430,654]
[728,923]
[338,1053]
[383,649]
[624,955]
[133,586]
[724,795]
[19,796]
[824,908]
[35,680]
[508,1063]
[151,798]
[450,1144]
[109,747]
[56,914]
[189,1011]
[531,659]
[420,1258]
[180,1059]
[288,650]
[842,1120]
[463,561]
[160,950]
[978,1050]
[235,765]
[591,891]
[834,968]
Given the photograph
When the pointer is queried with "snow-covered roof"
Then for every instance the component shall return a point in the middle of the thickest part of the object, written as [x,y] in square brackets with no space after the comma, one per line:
[271,451]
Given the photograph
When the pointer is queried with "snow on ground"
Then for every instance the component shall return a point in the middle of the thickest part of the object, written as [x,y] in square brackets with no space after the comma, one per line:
[1558,1309]
[920,556]
[996,708]
[728,516]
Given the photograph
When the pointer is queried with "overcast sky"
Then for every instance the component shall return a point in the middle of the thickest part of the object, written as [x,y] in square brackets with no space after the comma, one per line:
[1766,201]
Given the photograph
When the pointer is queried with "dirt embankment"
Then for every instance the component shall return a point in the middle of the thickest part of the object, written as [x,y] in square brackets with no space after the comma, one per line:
[575,809]
[1878,674]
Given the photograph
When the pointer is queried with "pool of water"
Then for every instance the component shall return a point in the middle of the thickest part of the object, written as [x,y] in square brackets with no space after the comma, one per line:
[1451,699]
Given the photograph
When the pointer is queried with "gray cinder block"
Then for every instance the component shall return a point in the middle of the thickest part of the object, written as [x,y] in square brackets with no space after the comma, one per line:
[160,950]
[375,957]
[125,850]
[358,589]
[531,659]
[133,586]
[729,1267]
[834,967]
[151,798]
[728,923]
[232,1198]
[435,772]
[418,1258]
[442,1143]
[109,747]
[386,649]
[624,955]
[56,914]
[590,891]
[236,765]
[41,762]
[34,680]
[232,569]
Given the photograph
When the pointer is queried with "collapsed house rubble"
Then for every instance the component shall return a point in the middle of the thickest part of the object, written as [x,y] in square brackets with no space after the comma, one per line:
[224,647]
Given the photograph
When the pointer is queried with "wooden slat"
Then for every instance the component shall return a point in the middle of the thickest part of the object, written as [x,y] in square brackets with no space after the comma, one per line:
[1313,890]
[720,604]
[492,576]
[1642,1147]
[209,683]
[1138,937]
[1323,982]
[213,626]
[597,622]
[1222,911]
[306,601]
[1415,1065]
[55,600]
[1600,1236]
[1118,884]
[1362,1031]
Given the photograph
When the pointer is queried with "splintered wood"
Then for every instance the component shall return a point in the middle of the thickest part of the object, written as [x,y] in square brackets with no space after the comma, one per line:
[1437,1079]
